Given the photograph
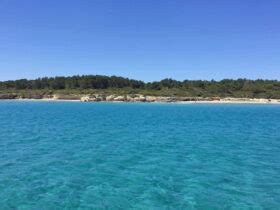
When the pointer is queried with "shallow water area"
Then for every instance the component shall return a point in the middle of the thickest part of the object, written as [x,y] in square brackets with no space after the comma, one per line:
[65,155]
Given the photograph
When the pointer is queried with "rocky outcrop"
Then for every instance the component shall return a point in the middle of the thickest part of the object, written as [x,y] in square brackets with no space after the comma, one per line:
[139,98]
[110,98]
[119,98]
[85,99]
[151,98]
[91,98]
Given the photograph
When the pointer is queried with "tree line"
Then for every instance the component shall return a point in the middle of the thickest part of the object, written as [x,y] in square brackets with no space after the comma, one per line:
[74,82]
[226,87]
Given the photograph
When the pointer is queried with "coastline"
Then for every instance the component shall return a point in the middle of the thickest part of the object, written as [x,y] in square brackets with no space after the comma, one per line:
[138,98]
[201,101]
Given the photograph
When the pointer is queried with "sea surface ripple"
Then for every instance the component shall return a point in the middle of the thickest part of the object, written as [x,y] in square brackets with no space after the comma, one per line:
[66,155]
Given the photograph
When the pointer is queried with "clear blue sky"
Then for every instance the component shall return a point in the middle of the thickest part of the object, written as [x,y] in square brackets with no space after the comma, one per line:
[141,39]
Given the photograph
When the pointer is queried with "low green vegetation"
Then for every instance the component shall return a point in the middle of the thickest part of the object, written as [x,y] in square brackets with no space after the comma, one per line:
[96,84]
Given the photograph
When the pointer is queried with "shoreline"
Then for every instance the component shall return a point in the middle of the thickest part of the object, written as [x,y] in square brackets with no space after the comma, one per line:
[138,98]
[221,101]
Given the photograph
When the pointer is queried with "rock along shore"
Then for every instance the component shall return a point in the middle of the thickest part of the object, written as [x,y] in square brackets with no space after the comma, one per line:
[141,98]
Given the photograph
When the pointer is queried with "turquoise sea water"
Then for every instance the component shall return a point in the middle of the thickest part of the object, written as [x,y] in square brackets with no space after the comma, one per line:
[67,155]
